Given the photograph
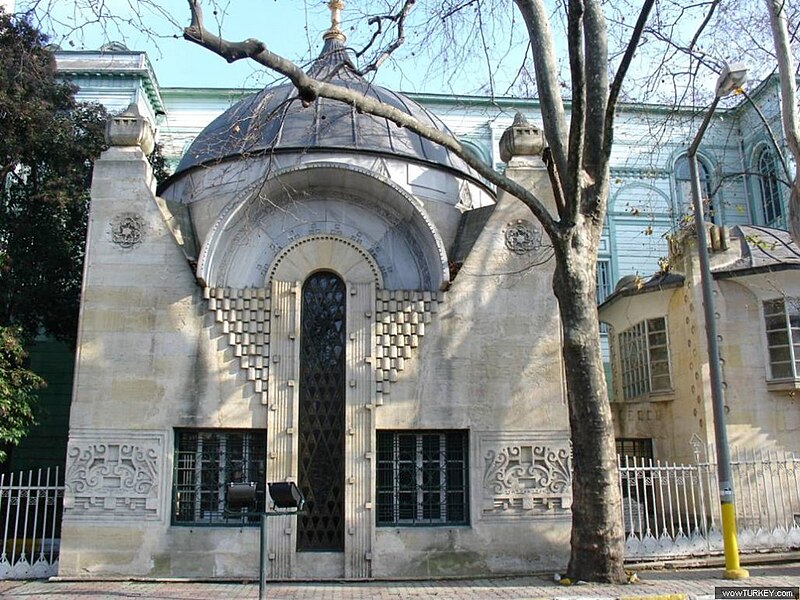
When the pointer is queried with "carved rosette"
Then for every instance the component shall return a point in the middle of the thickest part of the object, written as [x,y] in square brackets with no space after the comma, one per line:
[117,479]
[127,230]
[523,237]
[526,478]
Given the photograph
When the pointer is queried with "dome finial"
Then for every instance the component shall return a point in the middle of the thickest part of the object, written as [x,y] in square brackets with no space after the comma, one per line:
[335,33]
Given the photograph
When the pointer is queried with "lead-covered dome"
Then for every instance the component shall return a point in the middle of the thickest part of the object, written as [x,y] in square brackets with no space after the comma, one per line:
[275,120]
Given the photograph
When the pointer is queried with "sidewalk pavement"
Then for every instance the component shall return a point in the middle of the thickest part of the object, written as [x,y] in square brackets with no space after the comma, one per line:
[684,584]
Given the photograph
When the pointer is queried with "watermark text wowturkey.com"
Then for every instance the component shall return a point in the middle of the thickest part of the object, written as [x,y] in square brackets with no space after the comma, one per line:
[757,593]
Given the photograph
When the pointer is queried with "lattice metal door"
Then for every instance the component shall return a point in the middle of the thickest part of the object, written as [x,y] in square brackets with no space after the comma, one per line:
[321,416]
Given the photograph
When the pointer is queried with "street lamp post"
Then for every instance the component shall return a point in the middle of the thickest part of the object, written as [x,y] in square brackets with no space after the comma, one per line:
[285,496]
[731,78]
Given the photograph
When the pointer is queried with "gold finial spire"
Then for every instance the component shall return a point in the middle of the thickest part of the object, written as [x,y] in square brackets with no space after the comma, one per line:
[335,33]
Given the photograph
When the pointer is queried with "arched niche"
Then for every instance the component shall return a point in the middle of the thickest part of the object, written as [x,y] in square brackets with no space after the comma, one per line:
[325,253]
[325,212]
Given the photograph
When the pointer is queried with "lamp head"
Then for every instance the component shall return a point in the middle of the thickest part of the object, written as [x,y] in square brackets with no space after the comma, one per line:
[733,77]
[286,494]
[241,495]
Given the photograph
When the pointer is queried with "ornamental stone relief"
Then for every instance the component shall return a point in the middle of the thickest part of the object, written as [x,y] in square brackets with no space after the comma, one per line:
[402,317]
[127,230]
[522,237]
[245,318]
[526,477]
[244,314]
[114,478]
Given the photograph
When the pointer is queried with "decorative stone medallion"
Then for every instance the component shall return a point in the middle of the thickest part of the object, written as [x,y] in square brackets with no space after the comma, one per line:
[127,230]
[523,237]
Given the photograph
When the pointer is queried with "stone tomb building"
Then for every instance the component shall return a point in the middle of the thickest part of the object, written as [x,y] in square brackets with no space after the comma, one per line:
[316,296]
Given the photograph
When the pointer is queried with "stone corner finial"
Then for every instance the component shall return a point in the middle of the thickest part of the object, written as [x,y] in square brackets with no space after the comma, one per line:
[521,139]
[130,128]
[335,32]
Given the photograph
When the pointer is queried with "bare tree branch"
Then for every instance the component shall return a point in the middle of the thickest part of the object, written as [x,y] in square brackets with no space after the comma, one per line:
[546,68]
[791,123]
[622,71]
[577,130]
[399,20]
[703,25]
[595,152]
[771,135]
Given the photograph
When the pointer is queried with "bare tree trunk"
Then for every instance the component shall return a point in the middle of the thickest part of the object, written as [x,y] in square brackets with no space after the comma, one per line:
[791,128]
[597,539]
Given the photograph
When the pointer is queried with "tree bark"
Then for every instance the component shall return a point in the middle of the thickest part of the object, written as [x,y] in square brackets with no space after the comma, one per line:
[791,126]
[597,543]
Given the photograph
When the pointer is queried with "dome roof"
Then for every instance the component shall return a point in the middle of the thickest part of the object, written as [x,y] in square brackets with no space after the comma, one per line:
[274,120]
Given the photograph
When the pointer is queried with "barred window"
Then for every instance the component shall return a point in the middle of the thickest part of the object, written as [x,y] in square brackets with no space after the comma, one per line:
[634,453]
[422,478]
[206,461]
[636,449]
[644,357]
[782,322]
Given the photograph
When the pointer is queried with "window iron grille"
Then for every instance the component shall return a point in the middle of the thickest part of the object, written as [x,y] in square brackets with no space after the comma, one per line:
[206,461]
[422,478]
[321,413]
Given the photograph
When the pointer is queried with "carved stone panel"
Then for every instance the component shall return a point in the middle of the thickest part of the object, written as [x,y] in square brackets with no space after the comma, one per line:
[115,475]
[526,474]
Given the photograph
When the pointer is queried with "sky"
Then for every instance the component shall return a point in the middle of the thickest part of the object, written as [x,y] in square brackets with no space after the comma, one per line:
[177,62]
[483,59]
[292,28]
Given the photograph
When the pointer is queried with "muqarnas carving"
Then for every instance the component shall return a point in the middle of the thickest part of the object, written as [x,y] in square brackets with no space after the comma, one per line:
[527,479]
[401,319]
[245,318]
[119,480]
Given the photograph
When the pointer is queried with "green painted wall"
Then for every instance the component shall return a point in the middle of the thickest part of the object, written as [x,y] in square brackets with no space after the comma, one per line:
[46,444]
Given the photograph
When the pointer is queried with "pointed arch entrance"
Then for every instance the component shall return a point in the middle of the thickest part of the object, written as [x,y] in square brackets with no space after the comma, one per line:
[321,446]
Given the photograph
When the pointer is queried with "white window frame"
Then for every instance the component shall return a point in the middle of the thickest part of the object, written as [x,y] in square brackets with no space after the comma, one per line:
[781,318]
[604,288]
[641,348]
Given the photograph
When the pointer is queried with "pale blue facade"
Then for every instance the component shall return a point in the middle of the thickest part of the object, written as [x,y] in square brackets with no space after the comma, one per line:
[743,174]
